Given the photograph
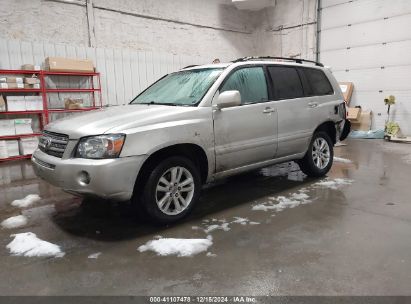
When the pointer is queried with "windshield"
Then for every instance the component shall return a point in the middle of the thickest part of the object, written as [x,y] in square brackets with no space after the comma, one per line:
[185,88]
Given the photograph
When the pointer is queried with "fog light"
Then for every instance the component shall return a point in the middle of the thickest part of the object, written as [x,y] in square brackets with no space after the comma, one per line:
[84,178]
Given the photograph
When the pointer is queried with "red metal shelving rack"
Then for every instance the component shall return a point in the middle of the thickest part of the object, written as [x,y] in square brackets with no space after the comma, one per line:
[44,115]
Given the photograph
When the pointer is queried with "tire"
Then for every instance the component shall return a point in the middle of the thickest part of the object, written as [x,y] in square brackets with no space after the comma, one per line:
[314,164]
[165,203]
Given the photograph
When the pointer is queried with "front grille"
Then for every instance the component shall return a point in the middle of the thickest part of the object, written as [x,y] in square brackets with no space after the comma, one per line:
[53,143]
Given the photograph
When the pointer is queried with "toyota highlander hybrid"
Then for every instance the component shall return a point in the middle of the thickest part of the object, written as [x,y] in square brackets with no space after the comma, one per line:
[194,126]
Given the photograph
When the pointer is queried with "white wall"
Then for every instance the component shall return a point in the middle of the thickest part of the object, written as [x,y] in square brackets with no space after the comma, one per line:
[212,28]
[288,29]
[368,42]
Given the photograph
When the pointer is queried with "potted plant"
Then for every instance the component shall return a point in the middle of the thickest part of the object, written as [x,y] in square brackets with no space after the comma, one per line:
[391,127]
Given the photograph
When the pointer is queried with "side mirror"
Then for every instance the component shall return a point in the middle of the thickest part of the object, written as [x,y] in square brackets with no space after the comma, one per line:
[228,99]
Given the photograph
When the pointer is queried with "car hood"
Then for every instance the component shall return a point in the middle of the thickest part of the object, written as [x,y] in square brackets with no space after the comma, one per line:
[115,119]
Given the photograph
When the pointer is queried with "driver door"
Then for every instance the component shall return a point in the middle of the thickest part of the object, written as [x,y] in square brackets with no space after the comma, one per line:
[245,134]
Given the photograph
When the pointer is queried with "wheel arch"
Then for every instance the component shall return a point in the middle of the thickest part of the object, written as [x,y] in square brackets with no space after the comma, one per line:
[329,128]
[192,151]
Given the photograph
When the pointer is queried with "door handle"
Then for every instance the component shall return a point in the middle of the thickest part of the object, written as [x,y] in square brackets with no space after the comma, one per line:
[268,110]
[313,104]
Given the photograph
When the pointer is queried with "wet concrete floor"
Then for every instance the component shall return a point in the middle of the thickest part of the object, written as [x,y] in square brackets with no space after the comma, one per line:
[350,239]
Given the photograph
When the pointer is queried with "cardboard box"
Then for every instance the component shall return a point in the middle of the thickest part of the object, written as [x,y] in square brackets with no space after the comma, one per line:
[28,145]
[3,151]
[34,103]
[32,86]
[16,103]
[2,104]
[12,85]
[23,126]
[73,103]
[364,123]
[30,67]
[7,127]
[347,88]
[14,79]
[31,80]
[60,64]
[354,114]
[12,148]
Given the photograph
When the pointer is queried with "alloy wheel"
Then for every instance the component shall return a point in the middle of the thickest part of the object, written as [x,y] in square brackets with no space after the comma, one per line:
[321,153]
[175,190]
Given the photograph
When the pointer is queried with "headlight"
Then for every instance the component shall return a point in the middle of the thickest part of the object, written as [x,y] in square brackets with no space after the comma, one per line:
[101,146]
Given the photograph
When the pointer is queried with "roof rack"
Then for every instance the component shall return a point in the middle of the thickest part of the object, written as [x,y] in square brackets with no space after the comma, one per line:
[190,66]
[297,60]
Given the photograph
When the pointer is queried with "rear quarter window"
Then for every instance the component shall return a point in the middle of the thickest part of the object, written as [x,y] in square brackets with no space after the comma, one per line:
[318,83]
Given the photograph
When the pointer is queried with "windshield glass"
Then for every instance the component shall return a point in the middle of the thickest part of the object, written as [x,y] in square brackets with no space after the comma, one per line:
[185,88]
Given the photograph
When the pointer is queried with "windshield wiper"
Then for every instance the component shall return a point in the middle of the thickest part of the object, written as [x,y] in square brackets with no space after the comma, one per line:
[159,103]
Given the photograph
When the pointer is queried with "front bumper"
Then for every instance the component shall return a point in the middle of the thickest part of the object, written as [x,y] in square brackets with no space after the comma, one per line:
[112,179]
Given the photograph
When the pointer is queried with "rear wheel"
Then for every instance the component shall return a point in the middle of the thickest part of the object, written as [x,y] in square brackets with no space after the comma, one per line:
[319,157]
[170,191]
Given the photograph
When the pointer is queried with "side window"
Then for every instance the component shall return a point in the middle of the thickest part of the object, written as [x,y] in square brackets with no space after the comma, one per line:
[251,84]
[286,82]
[318,82]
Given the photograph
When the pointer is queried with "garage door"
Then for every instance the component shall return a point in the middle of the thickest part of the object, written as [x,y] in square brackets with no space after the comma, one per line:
[368,42]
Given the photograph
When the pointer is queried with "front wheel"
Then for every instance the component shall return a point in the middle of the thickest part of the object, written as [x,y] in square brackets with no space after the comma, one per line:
[171,190]
[319,157]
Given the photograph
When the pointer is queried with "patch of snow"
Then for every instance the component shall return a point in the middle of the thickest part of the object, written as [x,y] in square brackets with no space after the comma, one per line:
[240,220]
[300,196]
[342,160]
[261,207]
[178,247]
[281,202]
[335,183]
[27,201]
[223,226]
[14,222]
[212,255]
[284,203]
[27,244]
[94,255]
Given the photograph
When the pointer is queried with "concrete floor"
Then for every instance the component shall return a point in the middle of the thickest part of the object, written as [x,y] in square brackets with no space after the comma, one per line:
[351,240]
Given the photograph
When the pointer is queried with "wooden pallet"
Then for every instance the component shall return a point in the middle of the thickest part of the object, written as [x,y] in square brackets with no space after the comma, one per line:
[406,140]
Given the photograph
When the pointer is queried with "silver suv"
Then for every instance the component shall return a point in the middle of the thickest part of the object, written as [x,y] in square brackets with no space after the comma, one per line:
[194,126]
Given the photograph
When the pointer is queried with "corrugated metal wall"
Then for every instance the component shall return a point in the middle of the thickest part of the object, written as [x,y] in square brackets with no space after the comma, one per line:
[368,42]
[124,73]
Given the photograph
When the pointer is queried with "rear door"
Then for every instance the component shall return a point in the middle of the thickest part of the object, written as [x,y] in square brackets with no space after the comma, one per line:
[320,96]
[294,110]
[246,134]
